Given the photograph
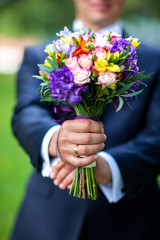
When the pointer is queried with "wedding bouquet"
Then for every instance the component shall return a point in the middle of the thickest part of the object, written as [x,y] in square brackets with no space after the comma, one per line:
[90,71]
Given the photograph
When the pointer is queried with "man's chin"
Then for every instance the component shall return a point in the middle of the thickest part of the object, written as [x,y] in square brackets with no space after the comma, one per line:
[101,22]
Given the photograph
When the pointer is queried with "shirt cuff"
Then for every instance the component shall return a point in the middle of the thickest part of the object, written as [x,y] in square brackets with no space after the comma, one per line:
[47,162]
[112,190]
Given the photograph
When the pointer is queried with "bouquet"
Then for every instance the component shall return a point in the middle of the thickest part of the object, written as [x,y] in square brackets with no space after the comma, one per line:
[90,72]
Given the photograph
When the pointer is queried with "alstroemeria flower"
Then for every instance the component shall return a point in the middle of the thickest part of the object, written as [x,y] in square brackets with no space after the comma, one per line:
[81,48]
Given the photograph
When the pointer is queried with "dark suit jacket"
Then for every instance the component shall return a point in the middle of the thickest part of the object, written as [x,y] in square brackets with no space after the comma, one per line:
[134,141]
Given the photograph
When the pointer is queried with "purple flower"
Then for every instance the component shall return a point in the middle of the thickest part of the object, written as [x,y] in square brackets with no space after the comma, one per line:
[61,46]
[62,86]
[121,45]
[132,73]
[64,33]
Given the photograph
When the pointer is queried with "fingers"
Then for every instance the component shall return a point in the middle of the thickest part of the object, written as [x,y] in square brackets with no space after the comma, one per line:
[80,161]
[83,150]
[67,181]
[84,133]
[63,175]
[56,168]
[83,125]
[86,150]
[84,138]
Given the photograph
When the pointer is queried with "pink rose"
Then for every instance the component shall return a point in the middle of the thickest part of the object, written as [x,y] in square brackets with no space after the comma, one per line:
[101,41]
[81,76]
[114,36]
[107,78]
[85,61]
[72,63]
[99,54]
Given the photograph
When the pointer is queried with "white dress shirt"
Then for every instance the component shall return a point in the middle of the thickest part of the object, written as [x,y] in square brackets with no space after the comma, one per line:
[112,190]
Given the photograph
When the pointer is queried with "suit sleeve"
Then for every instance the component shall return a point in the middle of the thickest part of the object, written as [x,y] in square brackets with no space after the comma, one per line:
[31,118]
[139,158]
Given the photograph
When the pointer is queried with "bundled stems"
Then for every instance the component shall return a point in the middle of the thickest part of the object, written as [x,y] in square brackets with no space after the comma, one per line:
[84,184]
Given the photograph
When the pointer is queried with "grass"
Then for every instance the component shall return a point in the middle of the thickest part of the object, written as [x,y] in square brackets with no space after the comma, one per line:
[14,163]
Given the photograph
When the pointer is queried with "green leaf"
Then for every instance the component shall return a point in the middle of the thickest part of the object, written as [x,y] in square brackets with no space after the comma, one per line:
[46,69]
[114,90]
[125,88]
[38,77]
[48,99]
[50,62]
[109,37]
[121,102]
[121,84]
[103,92]
[132,94]
[55,63]
[75,41]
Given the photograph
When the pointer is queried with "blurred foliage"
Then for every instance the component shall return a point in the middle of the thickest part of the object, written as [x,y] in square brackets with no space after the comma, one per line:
[39,18]
[35,17]
[14,165]
[145,8]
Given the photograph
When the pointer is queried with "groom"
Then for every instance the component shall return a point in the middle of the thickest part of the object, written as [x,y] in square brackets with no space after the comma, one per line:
[127,166]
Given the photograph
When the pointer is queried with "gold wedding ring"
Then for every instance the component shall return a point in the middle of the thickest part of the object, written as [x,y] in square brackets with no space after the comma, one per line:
[76,151]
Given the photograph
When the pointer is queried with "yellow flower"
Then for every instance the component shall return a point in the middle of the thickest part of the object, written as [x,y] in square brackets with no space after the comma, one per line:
[46,63]
[101,65]
[112,86]
[66,39]
[107,56]
[116,56]
[135,42]
[113,68]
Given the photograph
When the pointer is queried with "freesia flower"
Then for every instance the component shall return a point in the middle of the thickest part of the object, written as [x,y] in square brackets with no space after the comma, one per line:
[103,64]
[135,42]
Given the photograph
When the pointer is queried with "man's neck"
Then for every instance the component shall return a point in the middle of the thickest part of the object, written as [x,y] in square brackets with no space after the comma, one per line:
[115,27]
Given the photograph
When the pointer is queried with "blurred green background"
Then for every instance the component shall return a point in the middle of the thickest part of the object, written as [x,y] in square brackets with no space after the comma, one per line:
[39,20]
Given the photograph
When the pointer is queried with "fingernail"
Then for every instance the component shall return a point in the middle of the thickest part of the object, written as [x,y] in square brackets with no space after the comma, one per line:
[52,175]
[56,182]
[95,156]
[61,186]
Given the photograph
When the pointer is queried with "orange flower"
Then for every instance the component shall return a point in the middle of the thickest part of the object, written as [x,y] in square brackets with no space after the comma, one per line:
[81,48]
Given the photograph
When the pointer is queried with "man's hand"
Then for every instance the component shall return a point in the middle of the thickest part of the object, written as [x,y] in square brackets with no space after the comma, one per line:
[63,174]
[87,134]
